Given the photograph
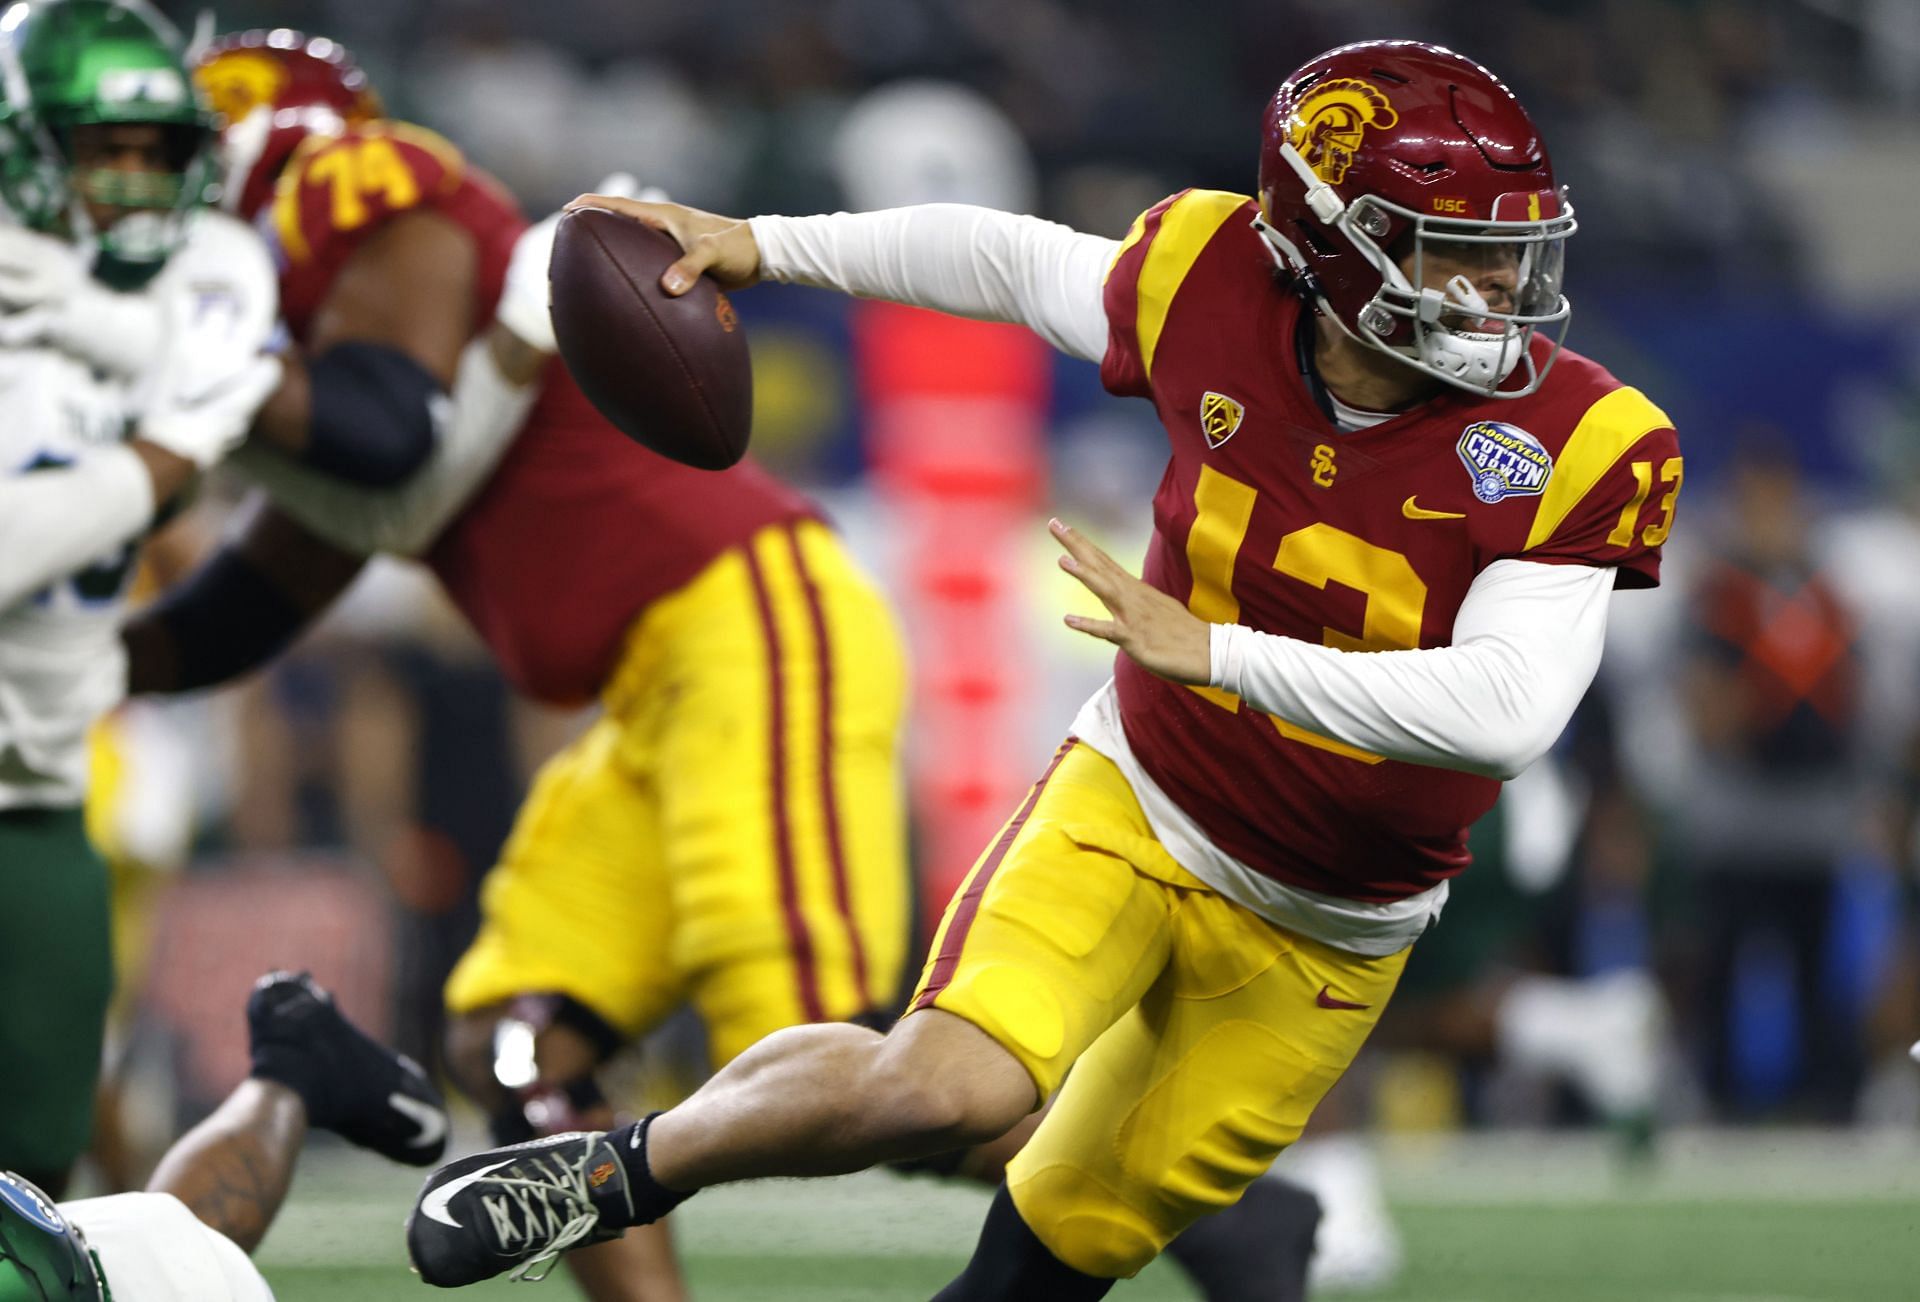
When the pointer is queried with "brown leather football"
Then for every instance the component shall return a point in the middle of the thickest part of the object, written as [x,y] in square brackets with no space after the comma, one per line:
[672,373]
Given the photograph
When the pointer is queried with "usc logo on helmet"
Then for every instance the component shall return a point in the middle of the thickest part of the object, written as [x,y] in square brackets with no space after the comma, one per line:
[238,82]
[1330,121]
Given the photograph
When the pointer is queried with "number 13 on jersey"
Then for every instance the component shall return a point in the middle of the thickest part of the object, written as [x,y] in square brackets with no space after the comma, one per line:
[1318,554]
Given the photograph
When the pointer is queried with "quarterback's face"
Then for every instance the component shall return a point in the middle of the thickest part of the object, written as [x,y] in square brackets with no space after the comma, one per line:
[118,165]
[1492,269]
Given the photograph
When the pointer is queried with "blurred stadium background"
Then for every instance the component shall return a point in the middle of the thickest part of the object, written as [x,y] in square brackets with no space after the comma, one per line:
[1713,880]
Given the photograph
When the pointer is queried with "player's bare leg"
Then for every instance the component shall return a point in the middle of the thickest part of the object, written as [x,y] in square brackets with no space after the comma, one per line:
[809,1100]
[233,1169]
[640,1266]
[824,1100]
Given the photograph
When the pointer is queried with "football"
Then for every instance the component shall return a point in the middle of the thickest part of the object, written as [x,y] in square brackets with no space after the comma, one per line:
[672,374]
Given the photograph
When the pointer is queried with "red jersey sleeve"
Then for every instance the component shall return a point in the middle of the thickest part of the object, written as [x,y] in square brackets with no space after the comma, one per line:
[338,189]
[1613,491]
[1159,250]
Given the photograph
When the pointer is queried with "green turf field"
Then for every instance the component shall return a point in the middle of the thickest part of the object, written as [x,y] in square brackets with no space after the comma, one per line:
[1771,1218]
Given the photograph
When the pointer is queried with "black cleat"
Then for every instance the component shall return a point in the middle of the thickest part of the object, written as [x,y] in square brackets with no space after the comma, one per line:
[352,1084]
[518,1209]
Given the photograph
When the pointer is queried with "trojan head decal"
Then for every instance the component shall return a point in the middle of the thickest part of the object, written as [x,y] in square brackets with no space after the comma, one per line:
[239,81]
[1329,121]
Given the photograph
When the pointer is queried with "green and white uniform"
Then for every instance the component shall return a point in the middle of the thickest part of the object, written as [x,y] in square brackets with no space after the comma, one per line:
[143,1247]
[152,1249]
[193,306]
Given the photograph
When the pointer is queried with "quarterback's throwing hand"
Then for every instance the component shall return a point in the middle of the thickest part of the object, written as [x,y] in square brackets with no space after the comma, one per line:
[721,247]
[1162,635]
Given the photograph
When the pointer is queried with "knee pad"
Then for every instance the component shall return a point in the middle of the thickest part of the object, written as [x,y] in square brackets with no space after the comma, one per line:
[1086,1225]
[1011,1264]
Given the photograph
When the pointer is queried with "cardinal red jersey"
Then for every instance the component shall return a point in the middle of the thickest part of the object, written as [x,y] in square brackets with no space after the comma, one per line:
[579,528]
[1269,516]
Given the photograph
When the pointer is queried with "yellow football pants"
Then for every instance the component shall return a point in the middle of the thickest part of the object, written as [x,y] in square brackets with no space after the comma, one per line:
[1200,1035]
[730,832]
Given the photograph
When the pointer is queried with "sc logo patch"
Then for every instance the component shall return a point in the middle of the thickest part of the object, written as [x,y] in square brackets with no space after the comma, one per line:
[1504,461]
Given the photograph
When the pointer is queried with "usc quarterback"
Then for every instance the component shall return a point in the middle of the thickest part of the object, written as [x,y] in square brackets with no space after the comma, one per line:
[729,832]
[1384,547]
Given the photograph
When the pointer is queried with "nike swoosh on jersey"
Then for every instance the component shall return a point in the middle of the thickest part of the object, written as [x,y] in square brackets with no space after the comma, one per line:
[1327,1000]
[434,1205]
[431,1120]
[1412,512]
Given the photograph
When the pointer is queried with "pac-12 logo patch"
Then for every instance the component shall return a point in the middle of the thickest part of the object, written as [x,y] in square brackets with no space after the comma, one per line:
[1220,417]
[1504,460]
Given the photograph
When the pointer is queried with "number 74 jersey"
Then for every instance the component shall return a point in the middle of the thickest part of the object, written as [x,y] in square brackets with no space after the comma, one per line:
[1271,517]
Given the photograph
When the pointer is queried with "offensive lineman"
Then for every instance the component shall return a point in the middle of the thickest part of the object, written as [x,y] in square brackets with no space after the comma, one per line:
[130,361]
[751,676]
[1209,895]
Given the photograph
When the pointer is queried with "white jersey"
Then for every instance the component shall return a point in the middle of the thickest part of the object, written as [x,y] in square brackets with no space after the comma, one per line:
[61,664]
[152,1249]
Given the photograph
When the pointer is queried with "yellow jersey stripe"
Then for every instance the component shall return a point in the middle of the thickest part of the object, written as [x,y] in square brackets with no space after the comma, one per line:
[1611,426]
[1185,228]
[1134,232]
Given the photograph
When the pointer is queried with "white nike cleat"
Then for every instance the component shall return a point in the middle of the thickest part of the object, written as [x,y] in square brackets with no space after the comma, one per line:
[1601,1034]
[1357,1248]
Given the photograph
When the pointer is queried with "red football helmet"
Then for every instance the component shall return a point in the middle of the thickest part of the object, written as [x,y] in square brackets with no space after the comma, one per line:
[273,89]
[1382,151]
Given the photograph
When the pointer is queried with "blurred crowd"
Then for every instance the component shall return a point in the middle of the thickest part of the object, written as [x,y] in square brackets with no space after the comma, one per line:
[1715,870]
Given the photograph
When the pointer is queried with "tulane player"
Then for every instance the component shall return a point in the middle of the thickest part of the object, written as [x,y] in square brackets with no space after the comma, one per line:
[132,321]
[214,1195]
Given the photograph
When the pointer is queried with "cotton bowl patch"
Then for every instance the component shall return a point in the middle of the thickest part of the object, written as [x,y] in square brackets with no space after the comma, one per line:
[1504,460]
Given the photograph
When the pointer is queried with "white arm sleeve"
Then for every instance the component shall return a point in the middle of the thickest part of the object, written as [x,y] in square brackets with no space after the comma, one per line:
[1526,644]
[54,521]
[486,411]
[973,262]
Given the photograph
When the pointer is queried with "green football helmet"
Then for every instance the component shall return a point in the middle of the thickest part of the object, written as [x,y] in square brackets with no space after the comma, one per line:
[72,64]
[43,1258]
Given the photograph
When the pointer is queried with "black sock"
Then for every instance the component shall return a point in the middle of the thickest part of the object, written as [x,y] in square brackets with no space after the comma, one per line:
[1256,1250]
[1010,1264]
[651,1199]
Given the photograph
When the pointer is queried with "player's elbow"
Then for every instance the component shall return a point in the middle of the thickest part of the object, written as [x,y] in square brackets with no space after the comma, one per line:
[1513,727]
[1505,754]
[374,414]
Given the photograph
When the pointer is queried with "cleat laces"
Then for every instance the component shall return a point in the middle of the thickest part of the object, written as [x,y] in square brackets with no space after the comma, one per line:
[546,1212]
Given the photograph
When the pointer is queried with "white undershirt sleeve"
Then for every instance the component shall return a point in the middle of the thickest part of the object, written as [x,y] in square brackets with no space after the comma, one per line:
[54,521]
[1526,645]
[955,258]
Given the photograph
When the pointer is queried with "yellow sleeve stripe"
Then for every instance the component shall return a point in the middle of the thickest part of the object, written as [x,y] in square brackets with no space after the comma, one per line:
[1611,426]
[1185,228]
